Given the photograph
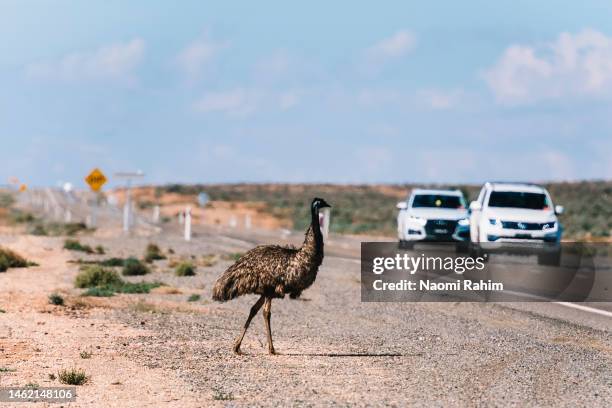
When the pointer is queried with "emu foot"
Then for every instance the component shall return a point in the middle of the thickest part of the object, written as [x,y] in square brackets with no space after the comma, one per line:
[271,351]
[236,349]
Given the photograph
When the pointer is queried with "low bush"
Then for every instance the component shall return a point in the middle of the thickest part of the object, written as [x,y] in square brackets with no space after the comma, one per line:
[185,269]
[194,298]
[153,253]
[73,377]
[10,259]
[56,299]
[133,267]
[92,276]
[140,287]
[75,245]
[99,292]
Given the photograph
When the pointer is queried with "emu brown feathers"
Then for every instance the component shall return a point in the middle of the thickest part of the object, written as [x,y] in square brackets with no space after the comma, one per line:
[273,271]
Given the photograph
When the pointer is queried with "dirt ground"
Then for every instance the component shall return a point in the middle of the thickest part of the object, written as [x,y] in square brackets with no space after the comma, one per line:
[158,349]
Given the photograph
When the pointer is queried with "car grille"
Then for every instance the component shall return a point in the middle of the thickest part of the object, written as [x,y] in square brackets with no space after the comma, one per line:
[440,228]
[527,226]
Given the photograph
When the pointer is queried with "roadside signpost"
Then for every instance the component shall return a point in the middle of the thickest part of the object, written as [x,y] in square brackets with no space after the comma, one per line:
[23,188]
[96,179]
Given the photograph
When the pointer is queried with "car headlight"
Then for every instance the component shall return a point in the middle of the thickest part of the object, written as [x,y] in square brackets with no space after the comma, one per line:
[464,222]
[549,225]
[492,221]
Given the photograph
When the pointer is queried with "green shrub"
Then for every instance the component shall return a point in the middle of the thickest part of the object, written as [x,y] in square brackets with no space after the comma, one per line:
[95,275]
[112,262]
[85,354]
[99,292]
[153,253]
[73,377]
[194,298]
[100,250]
[140,287]
[75,245]
[10,259]
[56,299]
[185,269]
[133,267]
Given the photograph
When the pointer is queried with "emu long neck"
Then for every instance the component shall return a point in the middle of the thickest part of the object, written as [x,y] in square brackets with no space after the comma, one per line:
[314,238]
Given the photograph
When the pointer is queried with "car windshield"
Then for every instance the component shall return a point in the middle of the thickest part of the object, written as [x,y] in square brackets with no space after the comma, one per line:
[517,199]
[438,201]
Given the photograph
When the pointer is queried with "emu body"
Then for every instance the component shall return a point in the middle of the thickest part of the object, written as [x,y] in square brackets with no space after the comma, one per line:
[273,271]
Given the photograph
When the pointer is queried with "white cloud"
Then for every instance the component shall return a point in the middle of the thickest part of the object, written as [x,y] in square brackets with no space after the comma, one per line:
[116,61]
[196,56]
[393,47]
[242,102]
[574,65]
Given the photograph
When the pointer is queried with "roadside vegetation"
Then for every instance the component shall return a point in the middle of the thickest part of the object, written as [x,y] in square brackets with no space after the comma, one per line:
[153,253]
[370,209]
[104,282]
[75,245]
[11,259]
[73,377]
[133,267]
[185,269]
[56,299]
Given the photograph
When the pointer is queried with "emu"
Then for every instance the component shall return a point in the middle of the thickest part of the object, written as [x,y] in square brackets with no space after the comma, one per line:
[273,271]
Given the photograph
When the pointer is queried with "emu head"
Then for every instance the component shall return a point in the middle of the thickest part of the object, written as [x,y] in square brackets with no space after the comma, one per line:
[318,203]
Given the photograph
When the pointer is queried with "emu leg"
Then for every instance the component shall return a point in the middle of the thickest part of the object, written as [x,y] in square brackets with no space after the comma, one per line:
[266,314]
[252,314]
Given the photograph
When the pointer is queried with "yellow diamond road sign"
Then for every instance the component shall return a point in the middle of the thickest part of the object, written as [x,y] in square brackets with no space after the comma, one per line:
[96,179]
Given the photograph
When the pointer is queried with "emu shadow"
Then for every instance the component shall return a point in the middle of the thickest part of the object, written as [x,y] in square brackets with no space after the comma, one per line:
[353,354]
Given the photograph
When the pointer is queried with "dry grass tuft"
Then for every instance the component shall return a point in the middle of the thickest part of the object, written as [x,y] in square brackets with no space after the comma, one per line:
[73,377]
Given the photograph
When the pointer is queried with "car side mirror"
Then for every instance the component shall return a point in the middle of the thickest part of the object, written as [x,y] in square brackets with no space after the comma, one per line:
[475,206]
[559,209]
[402,205]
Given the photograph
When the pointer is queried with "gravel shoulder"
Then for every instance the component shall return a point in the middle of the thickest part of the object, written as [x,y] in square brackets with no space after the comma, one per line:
[159,349]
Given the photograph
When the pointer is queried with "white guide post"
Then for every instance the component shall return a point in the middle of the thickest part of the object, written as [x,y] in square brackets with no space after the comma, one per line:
[188,224]
[247,221]
[156,214]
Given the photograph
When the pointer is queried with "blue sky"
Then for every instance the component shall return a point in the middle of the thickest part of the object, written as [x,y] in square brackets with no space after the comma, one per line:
[311,92]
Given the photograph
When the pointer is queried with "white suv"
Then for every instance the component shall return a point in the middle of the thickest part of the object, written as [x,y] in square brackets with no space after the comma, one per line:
[506,213]
[432,215]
